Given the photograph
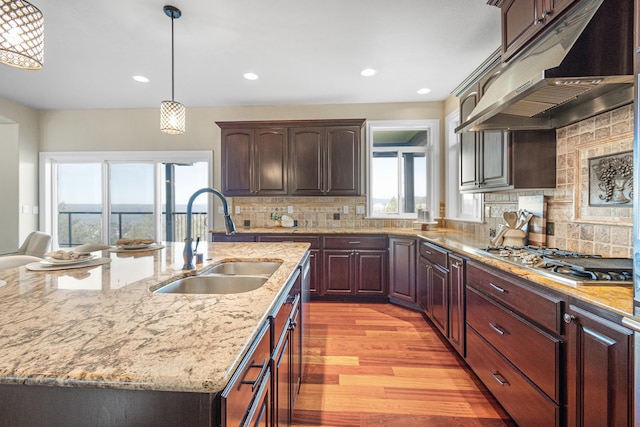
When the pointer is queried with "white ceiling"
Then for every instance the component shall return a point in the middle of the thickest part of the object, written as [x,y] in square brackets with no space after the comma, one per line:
[306,52]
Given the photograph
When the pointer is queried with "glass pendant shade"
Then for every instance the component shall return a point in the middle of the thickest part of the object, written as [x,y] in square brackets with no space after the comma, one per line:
[172,117]
[21,34]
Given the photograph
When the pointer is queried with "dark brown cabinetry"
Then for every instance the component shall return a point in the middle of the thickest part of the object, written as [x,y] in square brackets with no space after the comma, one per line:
[402,269]
[435,288]
[254,161]
[457,303]
[298,158]
[355,265]
[513,344]
[599,363]
[523,20]
[325,160]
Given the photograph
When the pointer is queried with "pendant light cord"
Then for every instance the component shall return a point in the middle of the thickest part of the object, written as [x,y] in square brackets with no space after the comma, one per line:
[172,62]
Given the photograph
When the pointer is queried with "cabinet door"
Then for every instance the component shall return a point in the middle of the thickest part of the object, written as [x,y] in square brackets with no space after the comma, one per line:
[371,272]
[468,145]
[424,284]
[439,297]
[599,370]
[342,174]
[296,357]
[259,414]
[402,269]
[457,303]
[337,272]
[237,160]
[521,21]
[494,159]
[314,281]
[282,384]
[305,166]
[270,161]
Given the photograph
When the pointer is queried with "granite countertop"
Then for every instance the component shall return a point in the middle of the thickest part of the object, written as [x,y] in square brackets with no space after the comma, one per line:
[103,327]
[617,299]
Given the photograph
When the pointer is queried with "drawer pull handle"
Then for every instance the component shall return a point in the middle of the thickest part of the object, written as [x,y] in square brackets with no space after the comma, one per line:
[255,382]
[497,288]
[497,328]
[354,243]
[499,378]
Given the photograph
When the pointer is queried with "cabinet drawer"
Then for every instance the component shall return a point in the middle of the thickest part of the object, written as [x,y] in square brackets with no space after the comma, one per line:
[434,254]
[282,318]
[543,309]
[526,405]
[531,350]
[314,241]
[355,242]
[246,381]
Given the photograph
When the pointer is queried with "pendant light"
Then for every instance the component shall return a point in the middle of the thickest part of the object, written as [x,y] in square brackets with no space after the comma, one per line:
[21,34]
[172,113]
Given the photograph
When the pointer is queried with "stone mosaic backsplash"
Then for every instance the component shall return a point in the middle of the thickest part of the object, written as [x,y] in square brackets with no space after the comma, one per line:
[608,234]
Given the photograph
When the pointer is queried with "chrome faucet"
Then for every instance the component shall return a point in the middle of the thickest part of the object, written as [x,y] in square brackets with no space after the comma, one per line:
[229,226]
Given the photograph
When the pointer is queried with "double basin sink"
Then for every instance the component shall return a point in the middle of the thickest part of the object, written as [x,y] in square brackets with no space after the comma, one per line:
[229,277]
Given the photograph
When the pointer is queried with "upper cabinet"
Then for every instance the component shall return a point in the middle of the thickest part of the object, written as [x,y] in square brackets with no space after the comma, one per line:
[253,161]
[298,158]
[523,20]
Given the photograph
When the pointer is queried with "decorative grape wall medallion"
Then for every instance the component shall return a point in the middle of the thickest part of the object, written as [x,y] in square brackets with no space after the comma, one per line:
[604,181]
[611,179]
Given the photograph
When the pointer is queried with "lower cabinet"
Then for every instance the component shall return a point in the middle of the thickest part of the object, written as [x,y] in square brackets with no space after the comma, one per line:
[434,285]
[354,266]
[599,370]
[402,270]
[457,306]
[247,397]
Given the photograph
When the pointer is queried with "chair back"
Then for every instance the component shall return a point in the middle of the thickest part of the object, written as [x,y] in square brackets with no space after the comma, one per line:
[36,244]
[16,261]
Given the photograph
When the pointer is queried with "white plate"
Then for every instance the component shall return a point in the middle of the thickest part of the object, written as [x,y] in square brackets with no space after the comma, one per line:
[140,246]
[53,261]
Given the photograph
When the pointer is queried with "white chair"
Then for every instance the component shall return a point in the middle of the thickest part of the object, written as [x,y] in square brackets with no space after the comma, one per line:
[36,244]
[16,261]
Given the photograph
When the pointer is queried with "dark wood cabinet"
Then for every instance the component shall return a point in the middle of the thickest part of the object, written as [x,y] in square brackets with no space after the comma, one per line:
[254,161]
[355,265]
[523,20]
[599,370]
[423,284]
[402,269]
[297,158]
[434,286]
[457,303]
[325,161]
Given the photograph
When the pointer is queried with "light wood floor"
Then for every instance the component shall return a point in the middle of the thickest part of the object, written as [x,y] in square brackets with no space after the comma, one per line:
[379,365]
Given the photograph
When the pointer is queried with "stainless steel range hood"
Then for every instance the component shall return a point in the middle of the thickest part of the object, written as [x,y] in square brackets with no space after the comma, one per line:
[581,67]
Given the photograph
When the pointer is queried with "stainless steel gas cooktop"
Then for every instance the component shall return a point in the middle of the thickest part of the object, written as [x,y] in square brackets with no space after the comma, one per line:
[567,267]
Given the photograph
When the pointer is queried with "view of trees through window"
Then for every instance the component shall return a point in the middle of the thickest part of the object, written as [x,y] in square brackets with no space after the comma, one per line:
[132,203]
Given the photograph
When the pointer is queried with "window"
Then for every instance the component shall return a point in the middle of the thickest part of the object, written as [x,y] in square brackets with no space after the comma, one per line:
[403,168]
[100,197]
[458,206]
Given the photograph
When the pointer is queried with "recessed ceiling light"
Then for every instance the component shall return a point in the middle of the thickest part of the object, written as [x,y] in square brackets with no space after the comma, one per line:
[251,76]
[141,79]
[423,91]
[368,72]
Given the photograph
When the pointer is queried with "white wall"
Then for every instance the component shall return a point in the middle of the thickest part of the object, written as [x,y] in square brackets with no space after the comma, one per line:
[19,135]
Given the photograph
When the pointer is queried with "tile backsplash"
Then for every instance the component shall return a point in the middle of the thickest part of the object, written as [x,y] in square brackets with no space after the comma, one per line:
[309,212]
[607,133]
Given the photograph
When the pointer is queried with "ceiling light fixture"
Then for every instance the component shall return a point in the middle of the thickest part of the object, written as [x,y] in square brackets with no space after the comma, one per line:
[21,34]
[141,79]
[251,76]
[423,91]
[368,72]
[172,113]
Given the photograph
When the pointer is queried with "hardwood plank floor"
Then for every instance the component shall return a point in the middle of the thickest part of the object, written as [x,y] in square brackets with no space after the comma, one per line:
[379,365]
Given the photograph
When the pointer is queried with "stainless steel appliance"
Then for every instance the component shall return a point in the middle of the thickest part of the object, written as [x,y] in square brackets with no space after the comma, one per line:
[566,267]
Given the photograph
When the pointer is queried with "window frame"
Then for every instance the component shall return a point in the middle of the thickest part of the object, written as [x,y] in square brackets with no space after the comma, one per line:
[432,153]
[48,181]
[454,203]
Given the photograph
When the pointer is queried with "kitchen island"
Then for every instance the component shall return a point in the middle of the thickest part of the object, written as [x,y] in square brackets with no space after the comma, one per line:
[99,332]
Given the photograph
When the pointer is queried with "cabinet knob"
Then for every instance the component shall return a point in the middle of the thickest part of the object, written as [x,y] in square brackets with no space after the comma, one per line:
[568,318]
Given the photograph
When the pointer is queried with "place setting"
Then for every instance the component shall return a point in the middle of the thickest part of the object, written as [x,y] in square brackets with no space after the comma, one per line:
[125,245]
[64,260]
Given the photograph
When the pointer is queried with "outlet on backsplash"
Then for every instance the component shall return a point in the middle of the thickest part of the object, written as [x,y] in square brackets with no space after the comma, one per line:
[492,232]
[551,229]
[336,216]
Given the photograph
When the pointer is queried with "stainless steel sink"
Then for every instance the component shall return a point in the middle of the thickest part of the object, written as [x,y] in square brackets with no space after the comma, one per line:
[251,268]
[212,284]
